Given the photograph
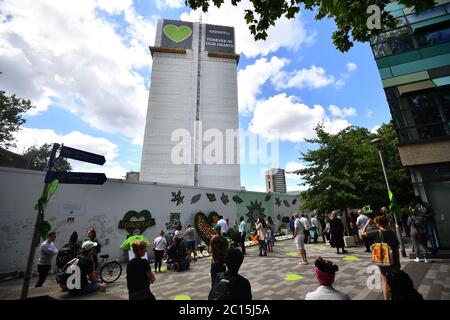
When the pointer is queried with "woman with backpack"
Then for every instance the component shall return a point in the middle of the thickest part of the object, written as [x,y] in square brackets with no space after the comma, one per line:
[383,235]
[418,236]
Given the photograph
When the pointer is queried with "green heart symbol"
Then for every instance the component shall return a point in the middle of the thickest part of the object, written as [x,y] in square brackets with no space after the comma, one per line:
[177,34]
[129,225]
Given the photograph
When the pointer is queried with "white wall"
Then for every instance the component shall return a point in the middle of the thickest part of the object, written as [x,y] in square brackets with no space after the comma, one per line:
[102,207]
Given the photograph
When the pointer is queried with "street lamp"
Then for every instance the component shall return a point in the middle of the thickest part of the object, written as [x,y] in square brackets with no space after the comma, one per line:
[378,143]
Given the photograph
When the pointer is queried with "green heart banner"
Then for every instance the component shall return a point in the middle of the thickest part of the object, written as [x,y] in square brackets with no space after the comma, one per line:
[177,34]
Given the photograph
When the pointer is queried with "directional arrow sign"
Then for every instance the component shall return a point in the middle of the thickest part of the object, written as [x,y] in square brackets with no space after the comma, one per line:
[76,177]
[81,155]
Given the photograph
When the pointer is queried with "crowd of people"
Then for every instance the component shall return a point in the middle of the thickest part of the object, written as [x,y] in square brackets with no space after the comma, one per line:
[226,283]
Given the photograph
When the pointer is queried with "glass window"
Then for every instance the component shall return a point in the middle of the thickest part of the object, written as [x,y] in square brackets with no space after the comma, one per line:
[393,34]
[378,50]
[431,131]
[428,14]
[433,37]
[424,109]
[400,45]
[444,97]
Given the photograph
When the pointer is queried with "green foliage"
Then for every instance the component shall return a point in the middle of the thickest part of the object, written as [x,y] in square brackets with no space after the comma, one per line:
[344,171]
[350,16]
[11,110]
[38,159]
[285,219]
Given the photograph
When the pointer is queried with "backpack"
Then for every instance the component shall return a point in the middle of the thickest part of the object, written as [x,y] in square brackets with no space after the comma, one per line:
[65,255]
[221,290]
[382,253]
[62,276]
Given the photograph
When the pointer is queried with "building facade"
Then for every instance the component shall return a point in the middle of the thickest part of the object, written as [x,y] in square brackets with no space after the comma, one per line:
[192,107]
[275,180]
[414,65]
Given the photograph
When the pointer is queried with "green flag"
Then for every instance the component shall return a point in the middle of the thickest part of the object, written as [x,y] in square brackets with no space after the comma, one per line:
[392,203]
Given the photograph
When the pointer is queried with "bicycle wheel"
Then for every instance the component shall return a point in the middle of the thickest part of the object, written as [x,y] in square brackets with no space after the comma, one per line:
[110,272]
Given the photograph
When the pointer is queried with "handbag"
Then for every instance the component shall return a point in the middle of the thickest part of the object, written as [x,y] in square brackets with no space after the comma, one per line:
[382,254]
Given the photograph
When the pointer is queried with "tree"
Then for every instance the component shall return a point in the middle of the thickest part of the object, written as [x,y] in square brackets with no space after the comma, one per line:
[345,172]
[11,110]
[38,159]
[350,16]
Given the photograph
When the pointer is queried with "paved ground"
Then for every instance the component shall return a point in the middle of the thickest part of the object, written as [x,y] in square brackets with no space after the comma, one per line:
[267,277]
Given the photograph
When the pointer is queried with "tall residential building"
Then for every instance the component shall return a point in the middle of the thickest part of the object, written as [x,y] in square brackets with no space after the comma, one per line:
[414,64]
[193,88]
[275,180]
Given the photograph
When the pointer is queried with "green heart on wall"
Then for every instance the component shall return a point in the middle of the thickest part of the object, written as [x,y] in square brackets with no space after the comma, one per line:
[129,225]
[177,34]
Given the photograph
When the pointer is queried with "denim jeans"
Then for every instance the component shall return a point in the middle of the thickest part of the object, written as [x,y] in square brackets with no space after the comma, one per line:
[429,228]
[262,246]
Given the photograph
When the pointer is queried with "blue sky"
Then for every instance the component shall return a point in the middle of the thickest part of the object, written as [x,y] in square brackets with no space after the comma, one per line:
[86,66]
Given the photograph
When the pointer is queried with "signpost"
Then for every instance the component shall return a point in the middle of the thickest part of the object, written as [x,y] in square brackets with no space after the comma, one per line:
[76,177]
[63,178]
[67,152]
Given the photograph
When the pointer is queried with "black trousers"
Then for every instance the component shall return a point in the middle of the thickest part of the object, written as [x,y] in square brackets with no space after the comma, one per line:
[144,294]
[367,243]
[243,242]
[159,254]
[43,273]
[216,268]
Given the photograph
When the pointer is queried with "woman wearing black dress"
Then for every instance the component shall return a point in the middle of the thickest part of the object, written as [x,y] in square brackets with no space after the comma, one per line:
[337,233]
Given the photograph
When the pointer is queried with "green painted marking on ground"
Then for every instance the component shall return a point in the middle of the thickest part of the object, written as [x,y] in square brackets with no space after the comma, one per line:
[351,258]
[292,254]
[293,277]
[182,297]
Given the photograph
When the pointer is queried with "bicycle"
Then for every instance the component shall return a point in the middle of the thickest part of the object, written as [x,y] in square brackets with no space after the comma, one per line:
[109,271]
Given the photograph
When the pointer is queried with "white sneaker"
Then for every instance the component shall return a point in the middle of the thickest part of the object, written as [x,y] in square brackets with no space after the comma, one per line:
[417,259]
[426,260]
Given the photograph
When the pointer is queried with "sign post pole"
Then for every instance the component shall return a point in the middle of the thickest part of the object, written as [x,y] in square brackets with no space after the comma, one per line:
[36,233]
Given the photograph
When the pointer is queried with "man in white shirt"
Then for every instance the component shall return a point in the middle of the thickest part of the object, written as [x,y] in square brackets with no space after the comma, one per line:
[299,237]
[47,251]
[242,233]
[360,223]
[223,224]
[306,227]
[315,228]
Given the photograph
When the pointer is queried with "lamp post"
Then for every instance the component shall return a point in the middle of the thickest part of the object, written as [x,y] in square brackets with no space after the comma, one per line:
[378,143]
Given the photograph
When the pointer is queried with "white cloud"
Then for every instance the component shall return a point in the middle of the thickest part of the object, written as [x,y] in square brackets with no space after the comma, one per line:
[287,33]
[342,113]
[253,77]
[369,114]
[114,6]
[292,188]
[374,130]
[293,166]
[111,170]
[351,67]
[313,78]
[172,4]
[284,117]
[67,53]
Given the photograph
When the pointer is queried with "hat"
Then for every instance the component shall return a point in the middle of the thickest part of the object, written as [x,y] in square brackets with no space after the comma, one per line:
[218,228]
[88,245]
[325,266]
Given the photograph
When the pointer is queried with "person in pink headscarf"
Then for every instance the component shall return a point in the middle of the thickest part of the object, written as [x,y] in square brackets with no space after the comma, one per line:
[325,272]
